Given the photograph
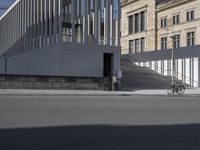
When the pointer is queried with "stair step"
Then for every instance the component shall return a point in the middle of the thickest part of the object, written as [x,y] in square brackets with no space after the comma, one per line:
[138,76]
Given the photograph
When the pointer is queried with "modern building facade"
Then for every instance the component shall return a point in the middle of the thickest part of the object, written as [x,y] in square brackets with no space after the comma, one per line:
[78,38]
[151,28]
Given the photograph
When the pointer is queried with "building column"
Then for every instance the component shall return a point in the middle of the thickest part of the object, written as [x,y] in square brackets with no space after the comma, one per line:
[21,26]
[46,3]
[50,20]
[34,24]
[41,22]
[81,20]
[96,21]
[73,20]
[111,21]
[29,34]
[38,23]
[18,29]
[119,23]
[54,20]
[199,72]
[85,27]
[1,44]
[60,15]
[25,24]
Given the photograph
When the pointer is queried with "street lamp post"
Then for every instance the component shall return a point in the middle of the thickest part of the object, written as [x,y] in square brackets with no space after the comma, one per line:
[172,37]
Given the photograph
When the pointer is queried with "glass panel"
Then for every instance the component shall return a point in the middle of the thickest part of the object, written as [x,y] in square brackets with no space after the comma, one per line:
[137,23]
[137,45]
[142,44]
[143,21]
[130,26]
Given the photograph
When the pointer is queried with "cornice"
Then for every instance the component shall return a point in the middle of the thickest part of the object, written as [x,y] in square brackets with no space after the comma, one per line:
[127,2]
[172,3]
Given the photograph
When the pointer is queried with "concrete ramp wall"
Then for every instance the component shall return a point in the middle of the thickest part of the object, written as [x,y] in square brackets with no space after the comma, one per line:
[64,59]
[2,65]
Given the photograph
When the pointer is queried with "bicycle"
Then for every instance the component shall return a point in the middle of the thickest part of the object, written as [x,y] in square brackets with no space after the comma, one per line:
[176,89]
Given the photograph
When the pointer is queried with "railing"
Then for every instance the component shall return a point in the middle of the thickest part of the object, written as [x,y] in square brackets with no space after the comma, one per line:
[180,76]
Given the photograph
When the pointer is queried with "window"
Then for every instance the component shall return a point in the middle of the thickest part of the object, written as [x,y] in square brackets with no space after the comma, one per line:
[176,41]
[131,46]
[176,19]
[190,15]
[142,43]
[190,39]
[142,21]
[137,45]
[130,24]
[164,43]
[137,23]
[163,22]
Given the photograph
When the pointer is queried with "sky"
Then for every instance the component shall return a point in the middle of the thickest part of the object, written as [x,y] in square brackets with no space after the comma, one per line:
[5,3]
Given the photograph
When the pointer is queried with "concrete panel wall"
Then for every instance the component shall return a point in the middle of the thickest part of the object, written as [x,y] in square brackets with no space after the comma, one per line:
[87,61]
[180,53]
[64,59]
[38,62]
[2,66]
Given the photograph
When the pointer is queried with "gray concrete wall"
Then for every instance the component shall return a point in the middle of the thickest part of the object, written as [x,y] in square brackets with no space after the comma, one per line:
[179,53]
[64,59]
[2,65]
[184,52]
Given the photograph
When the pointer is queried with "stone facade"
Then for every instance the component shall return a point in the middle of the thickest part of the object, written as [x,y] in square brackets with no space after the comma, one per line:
[53,82]
[178,7]
[131,7]
[154,12]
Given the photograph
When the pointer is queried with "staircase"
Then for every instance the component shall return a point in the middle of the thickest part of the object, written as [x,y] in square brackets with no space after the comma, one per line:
[142,77]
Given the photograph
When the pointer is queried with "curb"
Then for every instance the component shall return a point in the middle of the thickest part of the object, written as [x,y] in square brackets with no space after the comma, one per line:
[120,94]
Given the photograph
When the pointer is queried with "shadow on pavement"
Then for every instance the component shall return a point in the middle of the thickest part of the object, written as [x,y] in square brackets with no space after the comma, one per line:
[99,137]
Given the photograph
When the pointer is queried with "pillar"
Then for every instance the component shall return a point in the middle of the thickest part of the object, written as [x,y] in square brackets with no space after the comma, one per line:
[60,15]
[118,26]
[199,72]
[96,21]
[107,22]
[85,27]
[73,20]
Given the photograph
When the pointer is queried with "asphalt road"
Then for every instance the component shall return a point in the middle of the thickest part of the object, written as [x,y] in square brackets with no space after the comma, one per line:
[99,123]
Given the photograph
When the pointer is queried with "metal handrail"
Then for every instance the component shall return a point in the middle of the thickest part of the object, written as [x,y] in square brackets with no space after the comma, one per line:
[186,78]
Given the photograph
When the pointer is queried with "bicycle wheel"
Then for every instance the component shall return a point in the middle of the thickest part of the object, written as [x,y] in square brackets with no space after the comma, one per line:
[170,90]
[181,90]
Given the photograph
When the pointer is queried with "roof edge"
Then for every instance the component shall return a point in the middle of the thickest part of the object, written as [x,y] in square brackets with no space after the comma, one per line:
[6,12]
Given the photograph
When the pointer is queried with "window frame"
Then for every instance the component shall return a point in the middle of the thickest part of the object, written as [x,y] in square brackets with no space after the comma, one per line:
[176,19]
[130,25]
[164,43]
[176,41]
[163,22]
[191,38]
[190,15]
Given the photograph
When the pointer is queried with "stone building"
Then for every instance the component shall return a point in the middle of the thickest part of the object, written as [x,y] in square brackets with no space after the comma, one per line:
[150,28]
[182,21]
[138,26]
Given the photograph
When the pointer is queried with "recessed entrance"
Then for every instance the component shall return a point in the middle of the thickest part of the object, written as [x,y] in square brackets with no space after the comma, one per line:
[108,65]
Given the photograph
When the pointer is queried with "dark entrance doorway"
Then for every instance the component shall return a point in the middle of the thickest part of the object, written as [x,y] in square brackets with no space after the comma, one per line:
[108,65]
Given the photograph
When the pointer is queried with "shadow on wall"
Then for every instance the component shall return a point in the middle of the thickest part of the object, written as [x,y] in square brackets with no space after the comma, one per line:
[177,137]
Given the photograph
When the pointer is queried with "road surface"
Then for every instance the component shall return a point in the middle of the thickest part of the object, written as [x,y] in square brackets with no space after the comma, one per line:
[99,123]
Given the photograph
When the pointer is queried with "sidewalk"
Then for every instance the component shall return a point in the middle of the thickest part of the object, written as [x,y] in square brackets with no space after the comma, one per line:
[151,92]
